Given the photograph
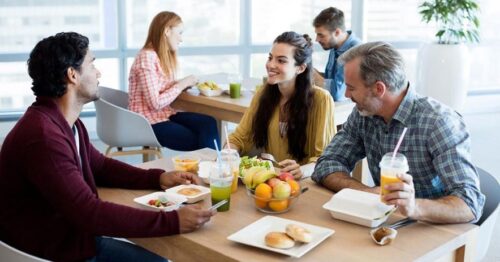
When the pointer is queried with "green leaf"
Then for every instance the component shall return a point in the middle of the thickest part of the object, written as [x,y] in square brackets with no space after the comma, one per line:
[457,19]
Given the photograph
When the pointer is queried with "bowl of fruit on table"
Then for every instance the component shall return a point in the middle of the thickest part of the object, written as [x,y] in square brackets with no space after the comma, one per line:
[210,88]
[271,192]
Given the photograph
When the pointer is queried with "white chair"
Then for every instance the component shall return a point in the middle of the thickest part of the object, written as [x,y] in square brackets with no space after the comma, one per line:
[491,189]
[119,127]
[8,253]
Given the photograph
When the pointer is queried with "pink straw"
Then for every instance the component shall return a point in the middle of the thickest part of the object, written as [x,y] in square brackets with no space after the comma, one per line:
[227,137]
[398,144]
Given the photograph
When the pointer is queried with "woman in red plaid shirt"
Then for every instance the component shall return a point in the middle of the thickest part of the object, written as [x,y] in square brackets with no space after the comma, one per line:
[153,87]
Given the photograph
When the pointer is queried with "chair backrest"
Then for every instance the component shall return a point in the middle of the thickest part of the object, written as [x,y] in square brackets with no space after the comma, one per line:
[491,189]
[114,96]
[8,253]
[119,127]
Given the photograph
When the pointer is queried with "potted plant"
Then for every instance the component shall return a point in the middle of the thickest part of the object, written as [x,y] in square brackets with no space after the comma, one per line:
[443,67]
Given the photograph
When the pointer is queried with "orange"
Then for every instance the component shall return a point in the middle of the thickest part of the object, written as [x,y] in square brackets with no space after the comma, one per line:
[278,205]
[263,193]
[294,185]
[260,203]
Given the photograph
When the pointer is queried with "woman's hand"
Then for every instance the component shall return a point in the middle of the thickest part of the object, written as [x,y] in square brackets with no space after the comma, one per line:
[174,178]
[292,167]
[187,81]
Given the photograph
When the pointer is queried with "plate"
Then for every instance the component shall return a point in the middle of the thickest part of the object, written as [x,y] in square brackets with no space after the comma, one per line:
[177,199]
[358,207]
[210,92]
[254,234]
[190,198]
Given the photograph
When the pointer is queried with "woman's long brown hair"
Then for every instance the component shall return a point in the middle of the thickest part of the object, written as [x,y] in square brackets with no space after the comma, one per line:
[297,107]
[157,40]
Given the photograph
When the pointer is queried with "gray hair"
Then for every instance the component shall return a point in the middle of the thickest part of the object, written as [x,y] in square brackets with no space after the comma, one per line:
[379,62]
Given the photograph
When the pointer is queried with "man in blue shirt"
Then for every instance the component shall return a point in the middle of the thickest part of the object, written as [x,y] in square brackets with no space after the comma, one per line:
[331,35]
[442,185]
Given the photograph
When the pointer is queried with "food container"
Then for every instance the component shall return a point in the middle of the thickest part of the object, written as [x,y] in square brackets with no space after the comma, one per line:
[193,193]
[187,163]
[172,201]
[358,207]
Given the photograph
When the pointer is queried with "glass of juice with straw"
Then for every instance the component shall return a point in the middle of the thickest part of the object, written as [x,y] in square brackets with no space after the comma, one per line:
[392,165]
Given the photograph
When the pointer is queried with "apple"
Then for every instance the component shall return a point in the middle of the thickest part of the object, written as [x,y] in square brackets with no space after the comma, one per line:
[284,176]
[273,181]
[282,190]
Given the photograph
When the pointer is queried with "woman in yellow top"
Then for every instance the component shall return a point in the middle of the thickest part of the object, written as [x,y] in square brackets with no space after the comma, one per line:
[289,117]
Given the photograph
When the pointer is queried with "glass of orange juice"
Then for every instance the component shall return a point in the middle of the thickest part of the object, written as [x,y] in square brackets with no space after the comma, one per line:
[232,158]
[389,169]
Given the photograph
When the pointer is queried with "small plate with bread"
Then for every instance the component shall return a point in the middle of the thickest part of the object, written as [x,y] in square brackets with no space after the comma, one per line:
[285,236]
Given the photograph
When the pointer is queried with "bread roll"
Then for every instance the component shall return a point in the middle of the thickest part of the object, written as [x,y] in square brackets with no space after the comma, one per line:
[298,233]
[279,240]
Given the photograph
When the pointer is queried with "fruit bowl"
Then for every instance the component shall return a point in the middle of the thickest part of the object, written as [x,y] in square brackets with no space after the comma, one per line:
[211,92]
[267,203]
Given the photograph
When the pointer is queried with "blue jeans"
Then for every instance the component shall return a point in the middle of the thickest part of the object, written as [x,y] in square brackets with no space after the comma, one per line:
[110,250]
[186,131]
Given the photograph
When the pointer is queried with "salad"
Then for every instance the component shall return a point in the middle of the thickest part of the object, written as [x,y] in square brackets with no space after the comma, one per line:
[248,162]
[160,202]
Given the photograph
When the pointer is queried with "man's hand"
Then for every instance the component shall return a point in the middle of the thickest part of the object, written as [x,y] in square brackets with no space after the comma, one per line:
[292,167]
[318,79]
[174,178]
[402,195]
[193,217]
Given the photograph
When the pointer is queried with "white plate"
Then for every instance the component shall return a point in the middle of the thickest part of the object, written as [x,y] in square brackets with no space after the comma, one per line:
[210,92]
[177,199]
[357,207]
[254,234]
[190,199]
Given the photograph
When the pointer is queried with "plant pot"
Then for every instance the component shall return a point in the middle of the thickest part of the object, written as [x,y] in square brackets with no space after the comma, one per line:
[443,73]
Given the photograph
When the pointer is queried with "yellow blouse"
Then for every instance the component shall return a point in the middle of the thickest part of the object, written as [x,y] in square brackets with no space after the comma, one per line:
[320,129]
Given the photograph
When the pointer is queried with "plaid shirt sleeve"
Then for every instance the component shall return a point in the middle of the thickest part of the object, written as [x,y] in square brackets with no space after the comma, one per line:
[159,91]
[345,149]
[449,144]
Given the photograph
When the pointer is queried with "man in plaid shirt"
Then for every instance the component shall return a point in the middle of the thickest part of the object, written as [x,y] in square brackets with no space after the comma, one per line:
[442,185]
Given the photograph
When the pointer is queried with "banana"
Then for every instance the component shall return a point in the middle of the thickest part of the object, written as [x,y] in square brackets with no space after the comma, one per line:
[211,85]
[248,175]
[262,177]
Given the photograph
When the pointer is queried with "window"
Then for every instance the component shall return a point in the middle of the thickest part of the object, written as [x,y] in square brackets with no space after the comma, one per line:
[206,23]
[398,22]
[232,36]
[271,18]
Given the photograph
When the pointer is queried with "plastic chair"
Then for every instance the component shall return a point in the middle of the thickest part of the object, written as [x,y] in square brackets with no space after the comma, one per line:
[119,127]
[8,253]
[491,189]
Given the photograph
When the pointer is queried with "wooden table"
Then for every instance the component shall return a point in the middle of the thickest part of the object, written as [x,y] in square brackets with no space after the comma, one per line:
[416,242]
[224,108]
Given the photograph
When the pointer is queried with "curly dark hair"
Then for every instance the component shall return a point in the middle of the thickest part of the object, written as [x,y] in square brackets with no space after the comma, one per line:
[297,107]
[50,59]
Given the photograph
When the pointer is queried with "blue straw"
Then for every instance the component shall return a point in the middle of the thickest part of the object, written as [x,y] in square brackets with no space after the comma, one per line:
[219,158]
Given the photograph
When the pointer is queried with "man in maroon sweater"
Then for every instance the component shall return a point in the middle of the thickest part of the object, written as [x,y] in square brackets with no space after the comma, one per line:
[49,171]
